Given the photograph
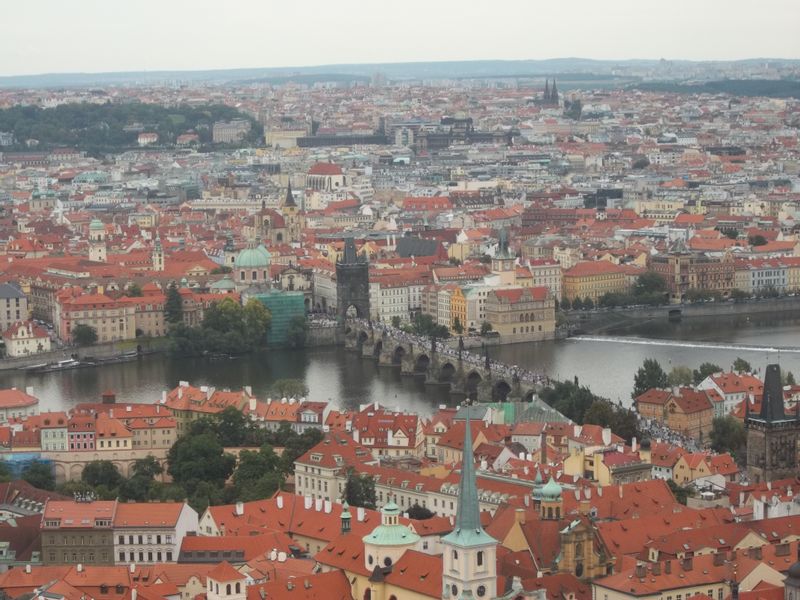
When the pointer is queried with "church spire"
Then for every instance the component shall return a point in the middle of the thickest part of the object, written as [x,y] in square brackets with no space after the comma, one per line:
[289,197]
[546,90]
[554,94]
[468,530]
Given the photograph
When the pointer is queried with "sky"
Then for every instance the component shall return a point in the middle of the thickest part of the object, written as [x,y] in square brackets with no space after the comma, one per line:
[67,36]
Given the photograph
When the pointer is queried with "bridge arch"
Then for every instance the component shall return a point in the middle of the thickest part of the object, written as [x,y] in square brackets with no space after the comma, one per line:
[422,363]
[447,372]
[474,379]
[398,355]
[376,351]
[529,396]
[500,391]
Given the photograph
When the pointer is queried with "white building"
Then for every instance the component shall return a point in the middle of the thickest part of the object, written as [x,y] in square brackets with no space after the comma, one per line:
[149,533]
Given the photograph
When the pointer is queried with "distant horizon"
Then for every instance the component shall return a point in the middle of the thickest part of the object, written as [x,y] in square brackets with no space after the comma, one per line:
[328,66]
[52,37]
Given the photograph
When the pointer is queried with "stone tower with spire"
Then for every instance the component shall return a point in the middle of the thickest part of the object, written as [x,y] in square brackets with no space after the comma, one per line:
[292,217]
[469,553]
[772,434]
[158,255]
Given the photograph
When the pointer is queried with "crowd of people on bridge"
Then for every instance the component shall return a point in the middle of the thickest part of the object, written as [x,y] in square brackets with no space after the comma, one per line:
[454,348]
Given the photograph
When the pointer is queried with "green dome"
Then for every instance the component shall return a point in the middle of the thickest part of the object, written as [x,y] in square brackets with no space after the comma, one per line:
[264,251]
[252,258]
[388,534]
[538,483]
[96,225]
[551,491]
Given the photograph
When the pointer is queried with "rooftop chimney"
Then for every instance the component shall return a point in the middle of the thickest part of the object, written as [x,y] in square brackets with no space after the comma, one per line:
[79,568]
[279,501]
[239,509]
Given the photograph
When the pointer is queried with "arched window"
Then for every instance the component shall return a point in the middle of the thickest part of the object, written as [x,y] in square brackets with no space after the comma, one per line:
[238,587]
[455,554]
[479,558]
[254,275]
[228,589]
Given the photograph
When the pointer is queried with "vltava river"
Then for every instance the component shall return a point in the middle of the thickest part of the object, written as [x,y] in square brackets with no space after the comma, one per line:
[606,364]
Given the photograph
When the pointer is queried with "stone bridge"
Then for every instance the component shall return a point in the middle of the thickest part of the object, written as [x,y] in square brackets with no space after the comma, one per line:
[439,364]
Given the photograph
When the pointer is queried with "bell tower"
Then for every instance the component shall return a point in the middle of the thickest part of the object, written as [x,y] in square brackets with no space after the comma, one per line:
[97,241]
[158,255]
[469,553]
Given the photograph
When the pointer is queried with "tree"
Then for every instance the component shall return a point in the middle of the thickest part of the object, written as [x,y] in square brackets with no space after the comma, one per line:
[680,375]
[288,388]
[39,475]
[600,413]
[221,270]
[84,335]
[789,378]
[197,461]
[173,307]
[577,304]
[257,475]
[420,513]
[588,303]
[757,240]
[232,427]
[457,326]
[730,233]
[681,494]
[359,490]
[738,294]
[5,473]
[740,365]
[257,321]
[728,435]
[706,369]
[648,283]
[396,322]
[134,290]
[565,304]
[625,424]
[101,472]
[650,375]
[297,332]
[486,328]
[147,468]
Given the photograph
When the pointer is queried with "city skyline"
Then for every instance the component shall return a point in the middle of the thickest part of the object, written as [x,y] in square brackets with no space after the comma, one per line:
[94,37]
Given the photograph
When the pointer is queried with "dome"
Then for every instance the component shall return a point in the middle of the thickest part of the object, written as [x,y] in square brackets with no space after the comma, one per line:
[794,572]
[96,225]
[264,251]
[391,532]
[538,483]
[252,258]
[551,491]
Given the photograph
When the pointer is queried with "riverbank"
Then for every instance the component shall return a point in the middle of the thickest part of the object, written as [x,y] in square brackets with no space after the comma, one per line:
[604,319]
[102,351]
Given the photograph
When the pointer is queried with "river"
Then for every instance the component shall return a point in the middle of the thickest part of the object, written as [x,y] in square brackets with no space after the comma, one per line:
[606,364]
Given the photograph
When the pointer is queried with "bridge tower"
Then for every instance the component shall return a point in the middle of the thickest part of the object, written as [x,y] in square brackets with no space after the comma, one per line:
[352,282]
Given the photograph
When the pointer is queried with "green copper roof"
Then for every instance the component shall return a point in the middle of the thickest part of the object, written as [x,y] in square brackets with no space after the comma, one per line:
[252,258]
[551,491]
[226,283]
[468,530]
[96,224]
[391,535]
[345,510]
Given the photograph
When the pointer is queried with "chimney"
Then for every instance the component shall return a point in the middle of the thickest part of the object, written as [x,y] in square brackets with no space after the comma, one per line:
[360,514]
[289,585]
[163,396]
[719,559]
[273,556]
[134,593]
[621,493]
[29,390]
[248,390]
[79,568]
[281,557]
[28,569]
[641,570]
[307,502]
[576,430]
[328,506]
[279,501]
[667,567]
[251,403]
[688,564]
[634,445]
[239,509]
[318,504]
[307,584]
[132,567]
[606,436]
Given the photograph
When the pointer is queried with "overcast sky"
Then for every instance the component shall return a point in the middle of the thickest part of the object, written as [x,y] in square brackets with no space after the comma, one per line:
[53,36]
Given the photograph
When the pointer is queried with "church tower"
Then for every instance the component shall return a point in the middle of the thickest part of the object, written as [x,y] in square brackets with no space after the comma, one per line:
[292,218]
[772,435]
[469,553]
[158,255]
[554,94]
[97,241]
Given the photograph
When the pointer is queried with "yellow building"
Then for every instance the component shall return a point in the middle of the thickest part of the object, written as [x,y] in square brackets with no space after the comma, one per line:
[521,314]
[458,310]
[593,279]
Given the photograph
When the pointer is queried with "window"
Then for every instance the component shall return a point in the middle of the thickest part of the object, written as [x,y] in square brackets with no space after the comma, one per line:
[479,558]
[481,591]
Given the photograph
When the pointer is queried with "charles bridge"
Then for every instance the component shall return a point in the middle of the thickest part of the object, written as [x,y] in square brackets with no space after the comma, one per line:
[466,374]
